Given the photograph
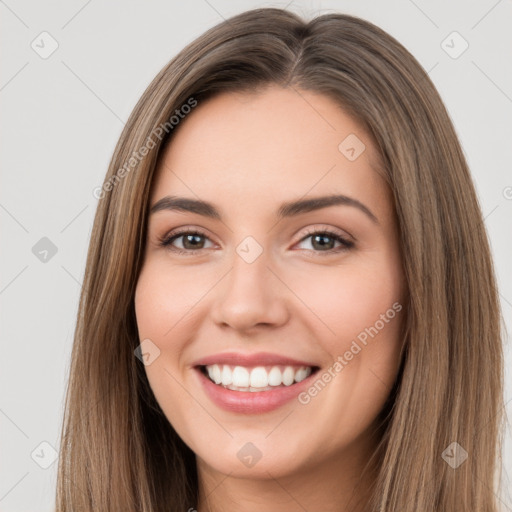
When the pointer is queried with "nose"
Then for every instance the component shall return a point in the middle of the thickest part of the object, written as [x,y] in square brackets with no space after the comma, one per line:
[250,296]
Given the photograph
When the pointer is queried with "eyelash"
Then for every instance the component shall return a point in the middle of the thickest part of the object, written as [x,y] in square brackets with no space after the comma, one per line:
[167,240]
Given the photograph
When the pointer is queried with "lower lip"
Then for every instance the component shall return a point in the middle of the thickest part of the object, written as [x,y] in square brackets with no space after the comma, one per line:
[249,402]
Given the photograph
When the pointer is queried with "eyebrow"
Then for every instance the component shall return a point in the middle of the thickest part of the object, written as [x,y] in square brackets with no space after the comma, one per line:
[288,209]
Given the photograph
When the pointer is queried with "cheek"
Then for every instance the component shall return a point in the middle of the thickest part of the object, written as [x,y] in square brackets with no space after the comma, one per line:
[350,301]
[165,300]
[164,307]
[361,314]
[338,304]
[169,309]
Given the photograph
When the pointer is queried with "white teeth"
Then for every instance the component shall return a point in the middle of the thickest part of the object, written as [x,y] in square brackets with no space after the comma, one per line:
[288,376]
[214,373]
[301,374]
[259,378]
[240,376]
[275,377]
[227,377]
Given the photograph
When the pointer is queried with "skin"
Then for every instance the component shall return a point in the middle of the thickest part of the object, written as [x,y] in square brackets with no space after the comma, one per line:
[247,154]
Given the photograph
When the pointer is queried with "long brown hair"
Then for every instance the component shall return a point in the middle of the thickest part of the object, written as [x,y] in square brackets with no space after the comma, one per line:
[118,450]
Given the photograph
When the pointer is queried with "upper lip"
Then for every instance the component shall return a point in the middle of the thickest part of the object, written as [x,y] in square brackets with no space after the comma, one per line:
[256,359]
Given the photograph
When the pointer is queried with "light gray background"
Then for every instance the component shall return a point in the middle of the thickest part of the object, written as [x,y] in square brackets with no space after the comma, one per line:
[61,117]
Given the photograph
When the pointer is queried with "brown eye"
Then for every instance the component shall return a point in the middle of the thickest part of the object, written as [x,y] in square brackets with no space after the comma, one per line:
[324,242]
[191,241]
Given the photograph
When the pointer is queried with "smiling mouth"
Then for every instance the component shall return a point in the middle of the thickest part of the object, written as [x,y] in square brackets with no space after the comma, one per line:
[257,378]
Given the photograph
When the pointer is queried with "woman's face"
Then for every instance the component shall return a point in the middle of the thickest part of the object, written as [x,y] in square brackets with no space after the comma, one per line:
[315,287]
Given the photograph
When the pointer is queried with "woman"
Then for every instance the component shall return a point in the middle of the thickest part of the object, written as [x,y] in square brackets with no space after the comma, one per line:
[224,359]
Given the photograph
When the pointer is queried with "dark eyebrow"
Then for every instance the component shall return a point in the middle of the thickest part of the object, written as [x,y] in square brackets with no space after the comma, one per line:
[289,209]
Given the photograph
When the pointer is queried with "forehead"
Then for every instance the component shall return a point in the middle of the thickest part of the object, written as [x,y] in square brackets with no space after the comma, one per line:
[277,143]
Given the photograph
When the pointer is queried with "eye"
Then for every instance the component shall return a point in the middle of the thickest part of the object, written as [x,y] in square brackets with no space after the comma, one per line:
[325,239]
[190,241]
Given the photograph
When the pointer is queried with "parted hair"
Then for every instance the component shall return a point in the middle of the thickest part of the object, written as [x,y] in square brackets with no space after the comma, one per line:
[119,451]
